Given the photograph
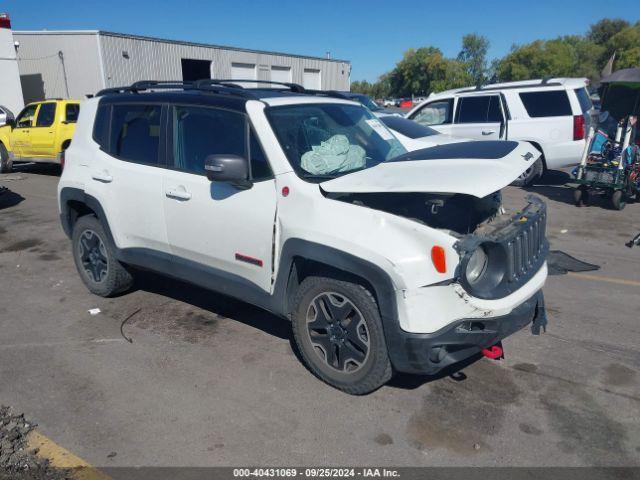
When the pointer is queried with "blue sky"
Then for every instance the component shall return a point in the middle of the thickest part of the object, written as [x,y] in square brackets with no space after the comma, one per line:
[372,34]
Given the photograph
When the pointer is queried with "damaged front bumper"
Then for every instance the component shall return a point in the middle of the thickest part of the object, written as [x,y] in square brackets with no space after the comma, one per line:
[429,353]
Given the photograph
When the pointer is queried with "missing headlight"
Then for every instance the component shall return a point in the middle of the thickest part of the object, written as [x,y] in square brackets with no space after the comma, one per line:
[477,265]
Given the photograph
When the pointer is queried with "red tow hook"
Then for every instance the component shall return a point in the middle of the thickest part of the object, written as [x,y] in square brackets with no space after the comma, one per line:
[494,352]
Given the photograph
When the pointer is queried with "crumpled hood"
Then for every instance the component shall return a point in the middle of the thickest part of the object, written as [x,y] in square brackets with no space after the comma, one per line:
[473,168]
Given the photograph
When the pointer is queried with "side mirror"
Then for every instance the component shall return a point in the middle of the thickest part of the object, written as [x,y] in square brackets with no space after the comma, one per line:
[9,121]
[233,169]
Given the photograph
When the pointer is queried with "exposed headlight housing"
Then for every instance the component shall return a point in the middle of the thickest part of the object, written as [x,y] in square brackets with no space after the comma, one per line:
[483,268]
[477,265]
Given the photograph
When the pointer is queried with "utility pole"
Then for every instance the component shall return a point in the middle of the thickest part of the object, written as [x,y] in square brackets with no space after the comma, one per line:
[64,72]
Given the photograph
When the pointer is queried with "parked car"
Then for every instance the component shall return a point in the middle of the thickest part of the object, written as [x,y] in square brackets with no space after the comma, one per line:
[406,103]
[307,206]
[552,114]
[5,115]
[40,133]
[389,102]
[414,136]
[377,110]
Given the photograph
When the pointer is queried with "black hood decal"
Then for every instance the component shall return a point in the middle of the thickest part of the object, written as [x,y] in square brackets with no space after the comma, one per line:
[488,150]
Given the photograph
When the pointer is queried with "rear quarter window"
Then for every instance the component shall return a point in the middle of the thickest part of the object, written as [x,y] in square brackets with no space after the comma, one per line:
[101,126]
[584,99]
[553,103]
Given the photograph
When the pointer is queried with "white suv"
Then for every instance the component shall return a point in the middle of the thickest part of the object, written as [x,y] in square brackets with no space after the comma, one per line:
[308,207]
[553,114]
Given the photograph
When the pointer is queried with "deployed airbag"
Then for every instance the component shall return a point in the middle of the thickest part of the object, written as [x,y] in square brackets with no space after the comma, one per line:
[332,156]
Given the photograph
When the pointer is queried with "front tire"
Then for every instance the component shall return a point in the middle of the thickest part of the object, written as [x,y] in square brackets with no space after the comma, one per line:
[581,196]
[618,199]
[6,164]
[95,260]
[338,331]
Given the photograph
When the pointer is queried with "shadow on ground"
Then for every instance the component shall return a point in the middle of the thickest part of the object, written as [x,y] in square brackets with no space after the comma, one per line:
[215,303]
[9,199]
[553,186]
[407,381]
[49,169]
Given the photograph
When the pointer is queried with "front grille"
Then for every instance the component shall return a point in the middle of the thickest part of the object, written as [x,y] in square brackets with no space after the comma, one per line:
[527,248]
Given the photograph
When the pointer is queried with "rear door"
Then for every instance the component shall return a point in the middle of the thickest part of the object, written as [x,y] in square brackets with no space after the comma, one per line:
[42,135]
[479,117]
[215,226]
[437,114]
[126,174]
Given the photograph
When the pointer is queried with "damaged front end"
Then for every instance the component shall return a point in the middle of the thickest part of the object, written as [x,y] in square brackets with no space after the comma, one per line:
[457,213]
[500,257]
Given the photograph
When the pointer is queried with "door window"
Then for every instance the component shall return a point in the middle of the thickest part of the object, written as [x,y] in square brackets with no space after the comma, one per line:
[135,133]
[46,115]
[25,119]
[480,109]
[435,113]
[72,110]
[199,132]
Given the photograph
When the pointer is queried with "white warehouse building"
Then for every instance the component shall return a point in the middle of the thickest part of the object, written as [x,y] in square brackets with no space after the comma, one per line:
[73,64]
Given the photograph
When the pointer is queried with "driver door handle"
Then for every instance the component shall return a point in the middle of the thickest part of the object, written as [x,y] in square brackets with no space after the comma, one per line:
[103,177]
[178,194]
[488,132]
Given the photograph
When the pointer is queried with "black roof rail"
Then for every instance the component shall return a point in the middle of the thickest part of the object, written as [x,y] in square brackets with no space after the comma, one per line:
[142,85]
[222,86]
[234,83]
[152,84]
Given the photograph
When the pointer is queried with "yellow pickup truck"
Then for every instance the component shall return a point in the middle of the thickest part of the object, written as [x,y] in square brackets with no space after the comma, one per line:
[40,133]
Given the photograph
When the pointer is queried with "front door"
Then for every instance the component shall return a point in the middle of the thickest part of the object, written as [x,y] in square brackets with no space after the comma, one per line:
[214,226]
[20,135]
[42,135]
[437,114]
[479,117]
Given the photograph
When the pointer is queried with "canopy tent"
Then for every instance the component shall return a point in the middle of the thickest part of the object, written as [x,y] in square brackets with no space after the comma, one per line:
[620,93]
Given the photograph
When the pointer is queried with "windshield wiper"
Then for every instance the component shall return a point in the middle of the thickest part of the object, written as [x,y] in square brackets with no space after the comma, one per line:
[318,176]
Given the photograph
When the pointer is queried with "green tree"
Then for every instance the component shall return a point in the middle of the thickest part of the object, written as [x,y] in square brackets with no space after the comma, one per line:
[602,31]
[561,57]
[474,56]
[626,44]
[361,86]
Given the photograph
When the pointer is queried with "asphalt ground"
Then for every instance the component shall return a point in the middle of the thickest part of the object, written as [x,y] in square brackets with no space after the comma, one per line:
[209,381]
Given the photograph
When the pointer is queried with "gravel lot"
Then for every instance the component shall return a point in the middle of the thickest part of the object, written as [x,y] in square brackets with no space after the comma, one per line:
[211,381]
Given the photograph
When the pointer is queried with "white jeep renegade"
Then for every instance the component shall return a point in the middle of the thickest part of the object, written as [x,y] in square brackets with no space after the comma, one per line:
[310,208]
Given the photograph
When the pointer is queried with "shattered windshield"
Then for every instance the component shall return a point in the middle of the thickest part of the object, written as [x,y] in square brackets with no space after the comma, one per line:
[324,141]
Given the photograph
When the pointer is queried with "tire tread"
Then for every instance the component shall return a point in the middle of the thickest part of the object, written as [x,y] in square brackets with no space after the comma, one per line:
[382,370]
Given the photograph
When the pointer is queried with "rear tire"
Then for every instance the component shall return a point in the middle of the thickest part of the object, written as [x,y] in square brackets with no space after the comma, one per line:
[338,331]
[618,199]
[6,164]
[530,175]
[95,260]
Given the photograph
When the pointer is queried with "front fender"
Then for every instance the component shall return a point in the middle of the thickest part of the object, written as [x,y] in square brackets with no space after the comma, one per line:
[5,137]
